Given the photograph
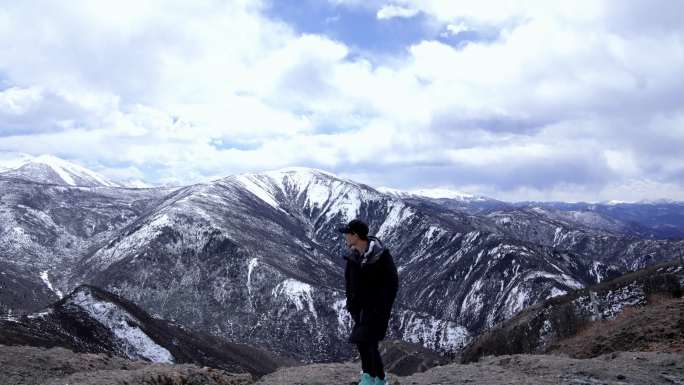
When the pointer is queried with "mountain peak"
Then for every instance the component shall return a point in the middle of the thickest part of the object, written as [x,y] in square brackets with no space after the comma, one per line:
[297,175]
[305,186]
[302,172]
[48,168]
[301,169]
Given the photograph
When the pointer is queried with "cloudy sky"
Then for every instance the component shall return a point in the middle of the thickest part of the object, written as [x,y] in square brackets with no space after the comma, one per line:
[518,100]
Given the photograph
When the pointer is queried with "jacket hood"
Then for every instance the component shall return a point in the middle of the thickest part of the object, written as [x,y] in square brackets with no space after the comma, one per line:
[375,250]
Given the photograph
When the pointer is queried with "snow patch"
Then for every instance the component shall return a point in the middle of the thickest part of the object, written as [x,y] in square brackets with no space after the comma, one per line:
[344,319]
[135,342]
[257,187]
[562,279]
[40,314]
[46,280]
[250,267]
[397,215]
[296,292]
[555,292]
[433,333]
[9,316]
[596,272]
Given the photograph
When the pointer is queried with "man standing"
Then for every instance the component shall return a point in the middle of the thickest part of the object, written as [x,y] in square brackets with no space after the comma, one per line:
[371,286]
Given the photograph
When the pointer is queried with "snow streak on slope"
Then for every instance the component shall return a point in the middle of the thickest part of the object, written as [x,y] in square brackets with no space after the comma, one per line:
[46,279]
[258,188]
[250,267]
[124,326]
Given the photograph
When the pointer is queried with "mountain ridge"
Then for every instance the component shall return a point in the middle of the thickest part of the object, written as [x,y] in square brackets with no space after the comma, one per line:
[265,246]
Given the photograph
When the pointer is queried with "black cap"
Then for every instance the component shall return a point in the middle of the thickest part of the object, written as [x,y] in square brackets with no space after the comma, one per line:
[355,226]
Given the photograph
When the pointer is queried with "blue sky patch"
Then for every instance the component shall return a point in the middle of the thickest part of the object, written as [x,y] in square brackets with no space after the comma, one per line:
[357,27]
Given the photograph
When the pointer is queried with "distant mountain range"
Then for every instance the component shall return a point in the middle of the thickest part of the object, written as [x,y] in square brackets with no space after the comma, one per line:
[254,258]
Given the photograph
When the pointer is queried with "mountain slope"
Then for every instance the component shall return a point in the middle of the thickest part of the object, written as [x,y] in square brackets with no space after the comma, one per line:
[46,229]
[95,321]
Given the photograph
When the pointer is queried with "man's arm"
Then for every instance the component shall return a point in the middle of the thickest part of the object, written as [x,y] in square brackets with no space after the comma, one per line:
[352,304]
[390,279]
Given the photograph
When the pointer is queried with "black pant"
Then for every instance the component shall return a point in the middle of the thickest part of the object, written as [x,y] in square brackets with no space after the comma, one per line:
[371,362]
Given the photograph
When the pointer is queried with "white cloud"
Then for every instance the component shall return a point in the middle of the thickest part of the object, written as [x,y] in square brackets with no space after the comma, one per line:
[17,101]
[566,100]
[391,11]
[455,29]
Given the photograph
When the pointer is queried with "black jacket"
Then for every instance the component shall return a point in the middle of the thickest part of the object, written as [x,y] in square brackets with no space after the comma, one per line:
[371,287]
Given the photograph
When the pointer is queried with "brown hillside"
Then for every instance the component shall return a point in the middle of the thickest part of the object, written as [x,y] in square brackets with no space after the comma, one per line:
[658,326]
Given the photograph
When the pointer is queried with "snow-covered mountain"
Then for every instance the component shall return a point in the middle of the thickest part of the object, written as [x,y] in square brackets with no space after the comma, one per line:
[435,193]
[262,245]
[660,218]
[449,198]
[255,257]
[266,242]
[51,169]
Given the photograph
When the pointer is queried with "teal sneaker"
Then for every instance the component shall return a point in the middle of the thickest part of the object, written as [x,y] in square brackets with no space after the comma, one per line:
[366,379]
[378,381]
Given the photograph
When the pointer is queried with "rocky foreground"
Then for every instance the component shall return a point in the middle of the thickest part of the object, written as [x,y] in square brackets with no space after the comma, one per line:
[23,365]
[27,365]
[615,368]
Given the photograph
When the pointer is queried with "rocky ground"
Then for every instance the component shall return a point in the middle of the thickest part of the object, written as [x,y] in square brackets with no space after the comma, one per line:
[614,368]
[404,358]
[23,365]
[26,365]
